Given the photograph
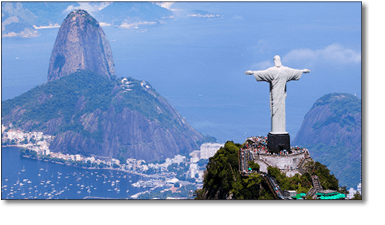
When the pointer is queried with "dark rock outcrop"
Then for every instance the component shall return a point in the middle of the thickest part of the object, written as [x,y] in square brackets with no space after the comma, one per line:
[331,130]
[81,45]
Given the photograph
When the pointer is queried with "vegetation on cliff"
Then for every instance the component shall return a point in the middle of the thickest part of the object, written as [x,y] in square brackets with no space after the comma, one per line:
[331,130]
[222,179]
[343,106]
[86,111]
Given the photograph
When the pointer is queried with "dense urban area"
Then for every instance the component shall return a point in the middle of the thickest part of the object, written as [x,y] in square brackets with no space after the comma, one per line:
[180,175]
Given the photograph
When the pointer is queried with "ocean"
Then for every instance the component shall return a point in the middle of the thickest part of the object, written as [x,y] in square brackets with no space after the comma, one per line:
[198,65]
[24,178]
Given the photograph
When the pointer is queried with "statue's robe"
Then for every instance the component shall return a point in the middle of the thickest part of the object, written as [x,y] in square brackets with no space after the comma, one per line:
[278,77]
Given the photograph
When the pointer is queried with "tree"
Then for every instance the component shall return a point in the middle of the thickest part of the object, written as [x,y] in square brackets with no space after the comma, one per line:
[222,170]
[23,152]
[357,196]
[343,190]
[274,171]
[254,166]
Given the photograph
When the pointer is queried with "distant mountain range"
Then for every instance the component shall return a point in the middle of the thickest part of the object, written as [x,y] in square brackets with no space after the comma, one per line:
[23,19]
[331,130]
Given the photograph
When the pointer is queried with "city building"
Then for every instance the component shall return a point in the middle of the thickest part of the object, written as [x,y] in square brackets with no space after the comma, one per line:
[195,154]
[193,170]
[359,188]
[208,150]
[77,157]
[178,159]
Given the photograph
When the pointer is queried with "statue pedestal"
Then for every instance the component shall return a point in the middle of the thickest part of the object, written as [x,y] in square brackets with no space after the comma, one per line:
[278,142]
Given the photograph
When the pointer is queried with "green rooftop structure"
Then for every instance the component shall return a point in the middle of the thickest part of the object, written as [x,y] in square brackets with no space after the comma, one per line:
[299,196]
[332,195]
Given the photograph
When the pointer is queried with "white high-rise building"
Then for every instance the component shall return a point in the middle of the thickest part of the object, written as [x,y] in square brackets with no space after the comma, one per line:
[352,192]
[193,170]
[359,188]
[208,150]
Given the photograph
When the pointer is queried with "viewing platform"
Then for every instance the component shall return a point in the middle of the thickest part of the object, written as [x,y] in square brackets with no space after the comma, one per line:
[288,161]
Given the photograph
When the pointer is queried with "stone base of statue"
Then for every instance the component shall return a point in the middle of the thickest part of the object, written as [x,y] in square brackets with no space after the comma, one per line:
[278,142]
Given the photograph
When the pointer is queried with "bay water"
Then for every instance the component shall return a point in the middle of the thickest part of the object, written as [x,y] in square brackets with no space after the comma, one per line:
[24,178]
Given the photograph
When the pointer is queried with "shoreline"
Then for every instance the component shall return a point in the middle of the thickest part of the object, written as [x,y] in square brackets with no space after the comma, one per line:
[90,168]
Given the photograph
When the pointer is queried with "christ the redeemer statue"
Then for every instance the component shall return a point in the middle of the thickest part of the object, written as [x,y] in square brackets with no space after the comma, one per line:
[277,77]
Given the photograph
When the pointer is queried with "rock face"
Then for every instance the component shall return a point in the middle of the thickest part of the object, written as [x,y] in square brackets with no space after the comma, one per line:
[81,45]
[90,111]
[331,130]
[91,115]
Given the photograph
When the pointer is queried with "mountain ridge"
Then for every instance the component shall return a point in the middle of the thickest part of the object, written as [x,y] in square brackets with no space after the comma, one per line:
[92,112]
[331,130]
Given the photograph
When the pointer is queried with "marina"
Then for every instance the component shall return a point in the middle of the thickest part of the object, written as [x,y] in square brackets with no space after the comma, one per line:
[24,178]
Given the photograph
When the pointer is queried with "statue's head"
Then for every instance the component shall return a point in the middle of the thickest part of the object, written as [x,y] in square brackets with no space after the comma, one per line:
[277,61]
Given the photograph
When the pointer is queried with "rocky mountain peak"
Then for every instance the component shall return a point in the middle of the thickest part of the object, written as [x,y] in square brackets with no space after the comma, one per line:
[81,45]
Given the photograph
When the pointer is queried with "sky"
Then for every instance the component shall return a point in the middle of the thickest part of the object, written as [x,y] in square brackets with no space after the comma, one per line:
[197,60]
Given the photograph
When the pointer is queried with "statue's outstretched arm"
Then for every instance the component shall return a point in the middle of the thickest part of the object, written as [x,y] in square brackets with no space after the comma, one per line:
[249,72]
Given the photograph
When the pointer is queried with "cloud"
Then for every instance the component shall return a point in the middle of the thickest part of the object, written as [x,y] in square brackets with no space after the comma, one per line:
[166,5]
[262,65]
[334,53]
[96,7]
